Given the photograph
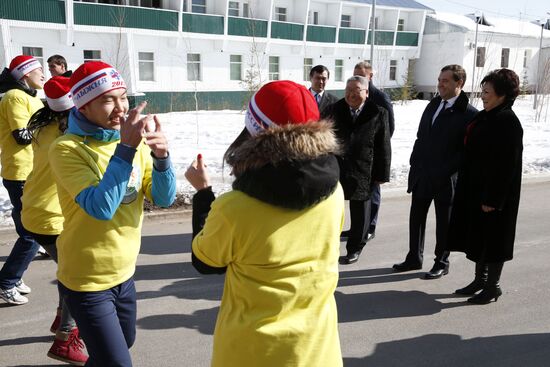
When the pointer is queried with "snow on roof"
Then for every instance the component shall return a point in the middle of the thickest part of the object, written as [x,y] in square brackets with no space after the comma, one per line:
[498,25]
[410,4]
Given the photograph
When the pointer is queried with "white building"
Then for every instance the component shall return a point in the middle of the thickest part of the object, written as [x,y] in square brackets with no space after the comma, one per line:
[451,39]
[171,51]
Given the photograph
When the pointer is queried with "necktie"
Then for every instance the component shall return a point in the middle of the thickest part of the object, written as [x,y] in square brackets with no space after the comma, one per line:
[440,111]
[318,99]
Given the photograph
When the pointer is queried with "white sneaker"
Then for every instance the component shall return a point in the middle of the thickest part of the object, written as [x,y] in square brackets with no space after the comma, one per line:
[42,252]
[13,297]
[22,288]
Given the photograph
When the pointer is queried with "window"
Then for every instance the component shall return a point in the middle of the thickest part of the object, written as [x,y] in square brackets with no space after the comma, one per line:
[193,67]
[273,67]
[280,14]
[246,10]
[393,69]
[345,21]
[198,6]
[308,64]
[313,17]
[36,52]
[233,9]
[401,25]
[480,57]
[339,70]
[504,57]
[526,57]
[235,67]
[185,5]
[92,55]
[146,66]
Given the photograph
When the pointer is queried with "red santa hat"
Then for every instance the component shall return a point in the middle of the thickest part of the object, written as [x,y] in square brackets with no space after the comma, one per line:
[280,103]
[22,65]
[93,79]
[58,94]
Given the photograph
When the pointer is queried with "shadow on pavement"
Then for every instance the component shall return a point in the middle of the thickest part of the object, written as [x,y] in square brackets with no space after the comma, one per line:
[189,283]
[203,321]
[166,244]
[27,340]
[389,304]
[452,351]
[374,276]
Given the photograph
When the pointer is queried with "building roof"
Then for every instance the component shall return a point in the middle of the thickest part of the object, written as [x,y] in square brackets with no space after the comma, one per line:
[411,4]
[491,24]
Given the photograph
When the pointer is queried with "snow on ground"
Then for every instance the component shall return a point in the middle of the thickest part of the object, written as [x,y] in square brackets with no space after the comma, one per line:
[211,132]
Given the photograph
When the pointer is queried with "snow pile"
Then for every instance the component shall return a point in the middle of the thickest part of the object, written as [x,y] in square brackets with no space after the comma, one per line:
[497,25]
[211,132]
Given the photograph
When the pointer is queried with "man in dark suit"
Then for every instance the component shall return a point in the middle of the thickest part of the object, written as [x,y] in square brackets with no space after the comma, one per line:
[363,130]
[434,163]
[318,76]
[364,69]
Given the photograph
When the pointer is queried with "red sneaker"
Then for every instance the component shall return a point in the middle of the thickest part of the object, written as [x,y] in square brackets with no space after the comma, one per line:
[67,347]
[56,321]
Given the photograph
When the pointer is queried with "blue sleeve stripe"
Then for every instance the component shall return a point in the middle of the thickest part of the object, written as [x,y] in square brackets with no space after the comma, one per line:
[102,201]
[163,189]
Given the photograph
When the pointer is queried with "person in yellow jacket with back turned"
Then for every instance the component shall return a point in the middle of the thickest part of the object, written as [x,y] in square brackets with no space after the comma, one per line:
[276,236]
[19,82]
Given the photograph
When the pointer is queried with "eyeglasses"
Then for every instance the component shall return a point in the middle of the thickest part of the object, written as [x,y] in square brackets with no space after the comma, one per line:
[356,91]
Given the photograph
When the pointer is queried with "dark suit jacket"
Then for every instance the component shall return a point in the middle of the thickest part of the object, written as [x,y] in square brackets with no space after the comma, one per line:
[438,149]
[366,147]
[382,100]
[327,100]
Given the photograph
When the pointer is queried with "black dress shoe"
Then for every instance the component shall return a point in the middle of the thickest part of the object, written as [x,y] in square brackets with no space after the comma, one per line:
[344,235]
[436,273]
[350,258]
[405,266]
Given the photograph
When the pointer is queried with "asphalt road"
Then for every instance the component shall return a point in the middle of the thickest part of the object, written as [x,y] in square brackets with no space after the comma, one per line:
[386,319]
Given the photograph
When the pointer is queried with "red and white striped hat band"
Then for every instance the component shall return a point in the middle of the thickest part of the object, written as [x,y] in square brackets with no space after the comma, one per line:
[60,104]
[255,120]
[22,65]
[58,94]
[95,85]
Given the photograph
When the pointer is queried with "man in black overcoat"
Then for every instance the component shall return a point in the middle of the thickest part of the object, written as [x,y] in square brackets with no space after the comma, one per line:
[363,68]
[318,76]
[434,164]
[363,130]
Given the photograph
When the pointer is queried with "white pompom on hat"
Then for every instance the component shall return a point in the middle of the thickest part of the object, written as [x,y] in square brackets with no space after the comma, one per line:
[280,103]
[93,79]
[22,65]
[58,94]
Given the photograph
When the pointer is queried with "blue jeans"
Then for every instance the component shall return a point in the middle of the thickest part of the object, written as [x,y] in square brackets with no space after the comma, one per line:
[25,247]
[106,321]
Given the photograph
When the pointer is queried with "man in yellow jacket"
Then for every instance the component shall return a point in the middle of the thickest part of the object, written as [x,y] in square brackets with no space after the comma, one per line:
[19,82]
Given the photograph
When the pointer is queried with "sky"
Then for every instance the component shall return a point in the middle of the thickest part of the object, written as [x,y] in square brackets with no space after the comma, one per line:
[527,9]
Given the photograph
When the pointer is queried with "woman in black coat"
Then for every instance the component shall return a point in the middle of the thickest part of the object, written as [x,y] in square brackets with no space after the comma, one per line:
[485,208]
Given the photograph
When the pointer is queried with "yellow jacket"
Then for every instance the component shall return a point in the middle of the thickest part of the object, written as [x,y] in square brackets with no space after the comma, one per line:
[16,108]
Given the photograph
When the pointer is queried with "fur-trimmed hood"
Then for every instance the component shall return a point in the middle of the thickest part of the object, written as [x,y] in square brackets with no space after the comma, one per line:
[291,166]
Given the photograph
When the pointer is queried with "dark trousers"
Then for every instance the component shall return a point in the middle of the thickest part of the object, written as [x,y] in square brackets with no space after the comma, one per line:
[417,229]
[375,200]
[48,242]
[106,321]
[25,248]
[359,214]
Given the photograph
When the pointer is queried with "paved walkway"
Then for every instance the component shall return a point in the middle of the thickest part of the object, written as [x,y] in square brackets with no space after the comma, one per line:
[386,319]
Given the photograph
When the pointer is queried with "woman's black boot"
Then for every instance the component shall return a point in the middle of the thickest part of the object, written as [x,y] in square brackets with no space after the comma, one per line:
[492,288]
[478,283]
